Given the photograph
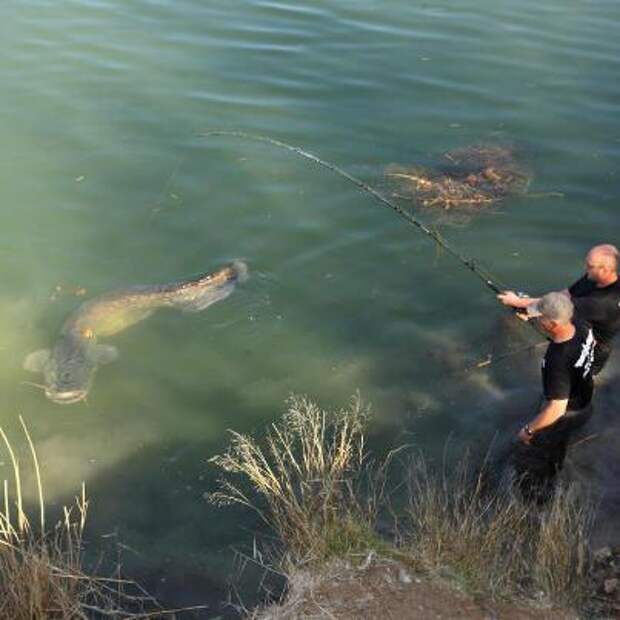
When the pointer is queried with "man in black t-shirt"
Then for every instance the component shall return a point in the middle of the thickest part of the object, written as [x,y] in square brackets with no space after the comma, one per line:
[599,304]
[596,297]
[567,392]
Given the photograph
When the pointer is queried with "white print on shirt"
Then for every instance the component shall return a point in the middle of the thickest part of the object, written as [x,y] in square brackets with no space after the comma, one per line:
[587,354]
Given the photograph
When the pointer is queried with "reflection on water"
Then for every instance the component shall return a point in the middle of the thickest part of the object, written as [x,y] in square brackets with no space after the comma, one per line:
[105,184]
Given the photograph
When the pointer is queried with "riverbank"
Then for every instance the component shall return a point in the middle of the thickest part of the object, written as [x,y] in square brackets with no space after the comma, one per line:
[381,587]
[385,588]
[456,546]
[443,543]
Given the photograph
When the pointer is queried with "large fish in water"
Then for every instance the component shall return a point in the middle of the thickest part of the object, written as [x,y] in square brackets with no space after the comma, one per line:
[69,367]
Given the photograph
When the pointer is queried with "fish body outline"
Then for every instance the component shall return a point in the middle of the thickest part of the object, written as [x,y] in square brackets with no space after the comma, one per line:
[69,367]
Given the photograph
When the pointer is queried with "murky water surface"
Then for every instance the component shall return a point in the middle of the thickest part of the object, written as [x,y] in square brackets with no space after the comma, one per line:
[105,182]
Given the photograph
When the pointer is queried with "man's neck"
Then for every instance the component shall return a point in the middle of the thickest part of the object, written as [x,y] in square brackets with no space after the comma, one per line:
[563,333]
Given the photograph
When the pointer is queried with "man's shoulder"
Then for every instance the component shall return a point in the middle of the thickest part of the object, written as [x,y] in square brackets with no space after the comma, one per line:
[586,289]
[583,286]
[609,294]
[583,329]
[558,353]
[615,287]
[562,353]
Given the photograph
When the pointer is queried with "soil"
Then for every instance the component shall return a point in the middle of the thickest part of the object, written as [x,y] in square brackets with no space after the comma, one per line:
[384,590]
[606,577]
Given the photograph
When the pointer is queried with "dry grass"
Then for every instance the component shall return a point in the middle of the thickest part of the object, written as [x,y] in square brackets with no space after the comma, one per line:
[41,570]
[494,543]
[304,480]
[561,556]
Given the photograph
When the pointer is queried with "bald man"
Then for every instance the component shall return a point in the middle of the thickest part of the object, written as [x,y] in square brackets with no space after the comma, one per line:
[596,297]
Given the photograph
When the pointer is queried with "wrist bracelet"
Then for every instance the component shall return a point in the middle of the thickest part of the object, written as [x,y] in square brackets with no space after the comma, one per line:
[528,431]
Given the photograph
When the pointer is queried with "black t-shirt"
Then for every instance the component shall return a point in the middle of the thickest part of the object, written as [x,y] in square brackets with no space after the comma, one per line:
[566,369]
[598,306]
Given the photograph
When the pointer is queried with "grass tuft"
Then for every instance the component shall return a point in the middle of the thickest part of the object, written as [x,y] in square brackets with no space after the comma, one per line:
[310,480]
[494,543]
[41,570]
[304,479]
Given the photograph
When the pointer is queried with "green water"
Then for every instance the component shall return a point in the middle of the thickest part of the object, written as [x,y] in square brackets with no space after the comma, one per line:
[105,182]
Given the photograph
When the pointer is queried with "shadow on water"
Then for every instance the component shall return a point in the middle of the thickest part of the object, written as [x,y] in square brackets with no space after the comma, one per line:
[149,514]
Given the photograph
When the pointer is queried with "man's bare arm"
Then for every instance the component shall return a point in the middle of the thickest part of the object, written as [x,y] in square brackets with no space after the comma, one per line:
[510,298]
[550,412]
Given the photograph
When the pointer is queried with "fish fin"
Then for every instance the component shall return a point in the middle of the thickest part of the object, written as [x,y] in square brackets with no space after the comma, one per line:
[35,361]
[205,298]
[103,353]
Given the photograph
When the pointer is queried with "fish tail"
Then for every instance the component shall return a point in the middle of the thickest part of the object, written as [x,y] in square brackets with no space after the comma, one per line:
[200,294]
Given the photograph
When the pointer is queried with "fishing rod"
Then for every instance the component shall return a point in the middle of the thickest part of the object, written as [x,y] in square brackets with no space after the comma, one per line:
[470,263]
[492,359]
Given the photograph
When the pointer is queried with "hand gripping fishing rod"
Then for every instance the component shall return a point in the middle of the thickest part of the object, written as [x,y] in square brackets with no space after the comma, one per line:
[467,262]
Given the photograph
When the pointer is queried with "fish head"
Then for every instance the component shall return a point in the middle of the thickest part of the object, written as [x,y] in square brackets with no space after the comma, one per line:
[68,370]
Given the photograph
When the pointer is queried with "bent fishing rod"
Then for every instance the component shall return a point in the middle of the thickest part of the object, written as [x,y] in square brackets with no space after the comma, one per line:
[470,263]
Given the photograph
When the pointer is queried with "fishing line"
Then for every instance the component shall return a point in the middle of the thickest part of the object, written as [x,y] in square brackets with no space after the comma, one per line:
[492,359]
[490,281]
[483,274]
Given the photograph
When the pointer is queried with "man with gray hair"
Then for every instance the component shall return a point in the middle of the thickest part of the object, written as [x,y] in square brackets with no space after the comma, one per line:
[567,392]
[596,297]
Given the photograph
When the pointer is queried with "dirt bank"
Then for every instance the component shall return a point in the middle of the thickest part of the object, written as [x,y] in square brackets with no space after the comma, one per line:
[384,589]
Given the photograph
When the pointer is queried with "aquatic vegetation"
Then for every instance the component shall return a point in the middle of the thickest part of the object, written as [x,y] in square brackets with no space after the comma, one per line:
[477,176]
